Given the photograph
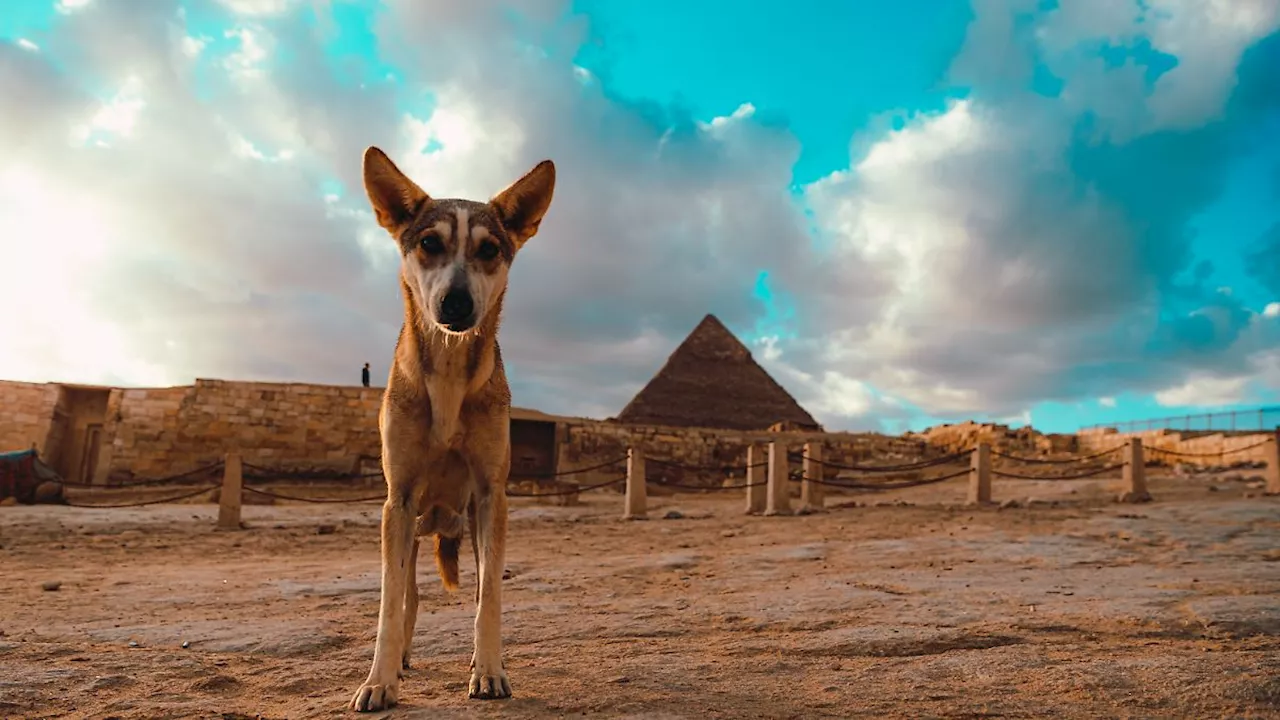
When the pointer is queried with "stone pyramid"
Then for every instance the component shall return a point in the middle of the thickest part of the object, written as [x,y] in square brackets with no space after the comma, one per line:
[712,381]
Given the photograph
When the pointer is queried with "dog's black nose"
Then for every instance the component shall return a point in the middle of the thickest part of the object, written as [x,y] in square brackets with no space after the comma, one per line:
[456,308]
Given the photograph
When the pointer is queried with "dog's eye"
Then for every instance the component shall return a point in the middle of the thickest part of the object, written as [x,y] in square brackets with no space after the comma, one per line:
[487,251]
[431,244]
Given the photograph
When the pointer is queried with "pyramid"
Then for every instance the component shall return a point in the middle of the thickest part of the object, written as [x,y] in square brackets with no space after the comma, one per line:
[712,381]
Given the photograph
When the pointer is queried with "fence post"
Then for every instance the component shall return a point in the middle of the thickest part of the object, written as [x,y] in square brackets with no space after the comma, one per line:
[812,494]
[637,495]
[980,475]
[1134,474]
[757,475]
[229,495]
[779,497]
[1272,451]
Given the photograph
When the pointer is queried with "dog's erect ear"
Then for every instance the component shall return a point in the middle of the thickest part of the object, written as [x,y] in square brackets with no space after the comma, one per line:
[522,205]
[395,198]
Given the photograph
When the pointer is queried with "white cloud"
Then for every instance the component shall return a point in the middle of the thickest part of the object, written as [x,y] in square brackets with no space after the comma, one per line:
[1204,391]
[1207,37]
[258,8]
[70,6]
[193,46]
[1272,310]
[116,118]
[1108,402]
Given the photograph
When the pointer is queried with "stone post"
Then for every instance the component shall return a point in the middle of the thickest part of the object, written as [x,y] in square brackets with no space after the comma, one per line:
[637,495]
[1272,452]
[757,474]
[980,475]
[1134,474]
[813,494]
[778,501]
[229,496]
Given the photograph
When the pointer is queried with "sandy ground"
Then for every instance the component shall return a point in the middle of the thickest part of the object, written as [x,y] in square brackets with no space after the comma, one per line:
[1087,609]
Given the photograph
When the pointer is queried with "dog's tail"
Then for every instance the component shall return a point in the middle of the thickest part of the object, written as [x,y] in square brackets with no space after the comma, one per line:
[446,525]
[447,560]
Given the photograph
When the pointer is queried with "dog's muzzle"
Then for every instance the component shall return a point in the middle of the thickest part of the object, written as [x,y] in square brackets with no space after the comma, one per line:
[457,311]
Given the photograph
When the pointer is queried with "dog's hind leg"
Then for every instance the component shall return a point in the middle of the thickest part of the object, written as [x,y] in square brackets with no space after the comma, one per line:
[410,605]
[437,520]
[382,687]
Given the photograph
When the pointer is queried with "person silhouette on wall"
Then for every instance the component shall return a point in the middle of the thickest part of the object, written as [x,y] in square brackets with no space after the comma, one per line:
[364,375]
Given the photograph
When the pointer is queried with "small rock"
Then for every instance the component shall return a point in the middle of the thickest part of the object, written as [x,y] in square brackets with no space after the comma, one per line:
[48,492]
[1214,488]
[50,585]
[1132,497]
[1249,495]
[729,533]
[1010,503]
[186,644]
[326,530]
[133,643]
[621,679]
[673,515]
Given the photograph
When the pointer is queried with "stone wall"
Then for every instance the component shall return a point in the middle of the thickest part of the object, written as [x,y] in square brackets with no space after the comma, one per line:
[158,432]
[145,434]
[703,452]
[1027,441]
[27,415]
[1204,449]
[279,425]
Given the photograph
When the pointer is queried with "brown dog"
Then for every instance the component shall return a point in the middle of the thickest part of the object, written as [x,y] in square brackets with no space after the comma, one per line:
[445,418]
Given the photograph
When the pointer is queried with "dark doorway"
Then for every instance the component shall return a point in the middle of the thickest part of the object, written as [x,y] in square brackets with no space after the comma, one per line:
[79,409]
[92,446]
[533,448]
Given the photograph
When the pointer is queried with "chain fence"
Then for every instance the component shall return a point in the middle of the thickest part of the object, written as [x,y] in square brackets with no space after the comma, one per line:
[867,477]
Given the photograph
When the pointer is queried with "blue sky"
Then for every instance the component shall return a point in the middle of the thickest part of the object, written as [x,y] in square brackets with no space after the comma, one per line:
[914,212]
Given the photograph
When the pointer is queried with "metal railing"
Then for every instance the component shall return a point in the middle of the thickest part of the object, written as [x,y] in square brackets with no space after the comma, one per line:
[1245,420]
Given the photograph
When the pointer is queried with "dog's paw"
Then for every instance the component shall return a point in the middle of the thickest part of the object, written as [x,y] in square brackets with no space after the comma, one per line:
[373,697]
[492,684]
[404,663]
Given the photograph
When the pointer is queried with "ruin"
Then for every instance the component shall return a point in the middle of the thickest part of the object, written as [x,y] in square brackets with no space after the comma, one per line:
[704,408]
[105,435]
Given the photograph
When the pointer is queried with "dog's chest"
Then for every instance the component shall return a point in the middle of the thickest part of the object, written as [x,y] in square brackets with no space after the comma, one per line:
[447,395]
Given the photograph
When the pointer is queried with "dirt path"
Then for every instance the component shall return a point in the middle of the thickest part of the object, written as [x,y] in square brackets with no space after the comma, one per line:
[1085,610]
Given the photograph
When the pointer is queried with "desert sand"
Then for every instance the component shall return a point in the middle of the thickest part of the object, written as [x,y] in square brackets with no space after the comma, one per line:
[1083,609]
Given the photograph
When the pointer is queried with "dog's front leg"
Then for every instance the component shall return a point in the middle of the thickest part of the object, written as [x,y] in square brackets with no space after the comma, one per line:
[381,689]
[490,461]
[488,673]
